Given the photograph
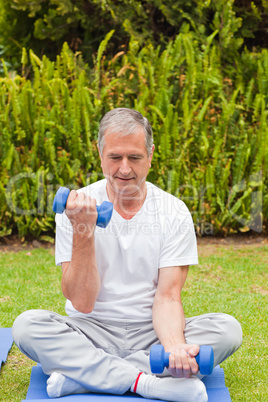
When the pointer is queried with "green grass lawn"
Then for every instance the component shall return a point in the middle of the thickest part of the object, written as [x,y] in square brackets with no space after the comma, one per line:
[229,279]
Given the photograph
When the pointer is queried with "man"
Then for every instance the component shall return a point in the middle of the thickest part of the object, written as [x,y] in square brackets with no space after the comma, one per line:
[123,283]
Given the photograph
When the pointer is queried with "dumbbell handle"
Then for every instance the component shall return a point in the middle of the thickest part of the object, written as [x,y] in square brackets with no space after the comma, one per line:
[159,359]
[104,210]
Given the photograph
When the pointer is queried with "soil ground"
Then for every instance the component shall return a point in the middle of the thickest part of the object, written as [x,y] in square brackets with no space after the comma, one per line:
[206,245]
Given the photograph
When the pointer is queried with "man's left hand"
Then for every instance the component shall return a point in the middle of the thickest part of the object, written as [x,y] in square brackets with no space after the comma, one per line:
[182,363]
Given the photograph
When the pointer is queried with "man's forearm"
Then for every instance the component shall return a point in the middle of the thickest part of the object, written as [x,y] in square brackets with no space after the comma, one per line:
[81,280]
[169,322]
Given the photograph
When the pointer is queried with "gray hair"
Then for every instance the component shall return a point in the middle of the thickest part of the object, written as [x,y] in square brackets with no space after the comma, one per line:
[125,121]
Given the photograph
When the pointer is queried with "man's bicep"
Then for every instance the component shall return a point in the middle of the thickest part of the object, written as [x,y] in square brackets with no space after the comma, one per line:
[171,280]
[64,267]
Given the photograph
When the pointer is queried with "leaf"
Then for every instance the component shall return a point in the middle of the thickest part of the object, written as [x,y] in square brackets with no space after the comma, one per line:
[204,108]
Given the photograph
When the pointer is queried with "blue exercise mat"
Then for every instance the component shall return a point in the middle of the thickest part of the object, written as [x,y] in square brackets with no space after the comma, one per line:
[6,341]
[215,384]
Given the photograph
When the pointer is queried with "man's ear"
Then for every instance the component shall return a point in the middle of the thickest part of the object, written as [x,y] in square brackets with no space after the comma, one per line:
[100,154]
[151,155]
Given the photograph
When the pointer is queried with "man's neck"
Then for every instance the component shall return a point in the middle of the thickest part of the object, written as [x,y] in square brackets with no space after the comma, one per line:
[127,205]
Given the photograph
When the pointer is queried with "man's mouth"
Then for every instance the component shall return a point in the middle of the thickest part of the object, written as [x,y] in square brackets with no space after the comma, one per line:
[124,178]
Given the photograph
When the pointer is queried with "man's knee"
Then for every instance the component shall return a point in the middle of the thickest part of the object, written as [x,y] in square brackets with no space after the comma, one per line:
[23,327]
[231,333]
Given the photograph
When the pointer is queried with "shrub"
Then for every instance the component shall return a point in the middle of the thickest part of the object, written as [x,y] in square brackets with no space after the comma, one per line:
[210,130]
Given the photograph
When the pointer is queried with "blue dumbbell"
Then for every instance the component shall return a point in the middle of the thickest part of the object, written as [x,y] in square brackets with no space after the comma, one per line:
[159,359]
[104,210]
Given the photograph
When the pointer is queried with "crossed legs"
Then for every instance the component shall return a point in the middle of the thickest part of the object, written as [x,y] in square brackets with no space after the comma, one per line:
[108,357]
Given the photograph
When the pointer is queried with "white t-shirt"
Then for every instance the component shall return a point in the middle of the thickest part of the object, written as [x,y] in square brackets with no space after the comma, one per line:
[130,252]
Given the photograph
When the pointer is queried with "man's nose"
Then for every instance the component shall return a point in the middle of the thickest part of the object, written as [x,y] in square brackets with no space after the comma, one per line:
[125,168]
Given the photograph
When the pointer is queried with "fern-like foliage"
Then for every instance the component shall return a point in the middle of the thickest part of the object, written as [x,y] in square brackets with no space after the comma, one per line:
[210,130]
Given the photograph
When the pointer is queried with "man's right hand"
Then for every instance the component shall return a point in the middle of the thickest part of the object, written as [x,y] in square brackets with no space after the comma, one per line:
[82,213]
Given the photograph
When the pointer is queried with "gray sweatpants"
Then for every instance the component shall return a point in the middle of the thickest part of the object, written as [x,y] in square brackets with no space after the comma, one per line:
[107,356]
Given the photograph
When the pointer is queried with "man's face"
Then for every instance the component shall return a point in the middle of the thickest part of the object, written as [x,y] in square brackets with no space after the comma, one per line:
[125,163]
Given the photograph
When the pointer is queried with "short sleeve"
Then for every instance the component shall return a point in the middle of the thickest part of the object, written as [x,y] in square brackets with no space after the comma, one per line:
[64,239]
[179,246]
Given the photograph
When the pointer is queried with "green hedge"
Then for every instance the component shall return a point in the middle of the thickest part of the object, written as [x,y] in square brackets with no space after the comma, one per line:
[45,25]
[210,131]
